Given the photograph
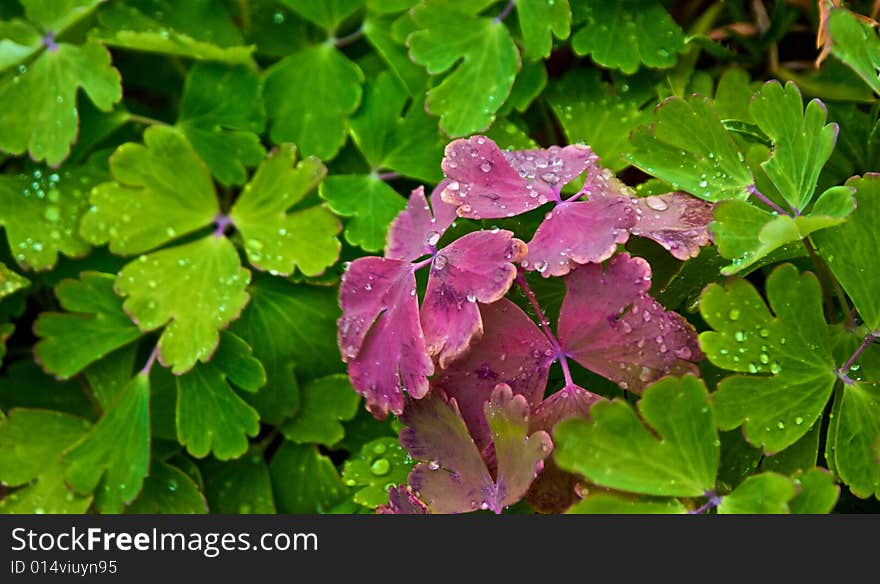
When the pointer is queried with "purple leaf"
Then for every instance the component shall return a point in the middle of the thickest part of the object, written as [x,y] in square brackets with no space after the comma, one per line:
[452,476]
[378,297]
[579,233]
[402,501]
[475,268]
[417,229]
[610,325]
[677,221]
[514,352]
[554,490]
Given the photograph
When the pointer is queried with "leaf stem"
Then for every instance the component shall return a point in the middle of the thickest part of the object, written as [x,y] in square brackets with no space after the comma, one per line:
[145,120]
[386,176]
[222,221]
[347,39]
[825,278]
[713,501]
[753,190]
[545,326]
[150,360]
[503,14]
[843,371]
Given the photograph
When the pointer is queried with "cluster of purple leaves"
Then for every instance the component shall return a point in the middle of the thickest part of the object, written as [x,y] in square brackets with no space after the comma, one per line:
[466,369]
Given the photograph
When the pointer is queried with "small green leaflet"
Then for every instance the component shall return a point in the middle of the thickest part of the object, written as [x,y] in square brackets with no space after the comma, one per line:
[377,30]
[221,113]
[39,114]
[304,480]
[18,41]
[615,504]
[324,403]
[40,211]
[327,14]
[766,493]
[540,21]
[211,417]
[114,457]
[624,35]
[381,464]
[278,241]
[58,15]
[197,29]
[25,385]
[11,282]
[192,290]
[93,326]
[370,203]
[31,442]
[479,56]
[168,489]
[615,449]
[239,486]
[309,98]
[788,357]
[851,249]
[856,44]
[687,146]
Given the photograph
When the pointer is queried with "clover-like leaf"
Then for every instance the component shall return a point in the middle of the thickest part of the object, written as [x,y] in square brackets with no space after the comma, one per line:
[40,211]
[11,282]
[480,57]
[203,289]
[211,417]
[114,457]
[324,404]
[239,486]
[817,492]
[687,146]
[624,35]
[274,239]
[18,41]
[40,114]
[197,29]
[93,325]
[851,249]
[58,15]
[223,131]
[539,22]
[765,493]
[304,480]
[786,353]
[679,458]
[378,30]
[854,435]
[370,203]
[309,97]
[856,44]
[609,324]
[168,489]
[381,464]
[151,202]
[802,143]
[415,231]
[31,443]
[328,14]
[451,476]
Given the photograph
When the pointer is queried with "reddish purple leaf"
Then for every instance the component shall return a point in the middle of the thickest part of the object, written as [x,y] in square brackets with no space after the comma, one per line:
[417,229]
[475,268]
[514,352]
[554,490]
[554,167]
[579,233]
[378,297]
[677,221]
[610,325]
[402,501]
[451,476]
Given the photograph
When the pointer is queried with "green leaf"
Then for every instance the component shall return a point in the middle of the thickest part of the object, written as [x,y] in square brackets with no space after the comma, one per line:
[40,211]
[327,14]
[31,442]
[18,41]
[540,21]
[746,234]
[851,249]
[381,464]
[739,459]
[615,449]
[853,437]
[211,417]
[11,282]
[600,114]
[766,493]
[25,385]
[168,490]
[113,458]
[93,326]
[377,30]
[151,201]
[405,143]
[370,203]
[856,44]
[308,316]
[197,29]
[788,356]
[610,504]
[192,290]
[304,480]
[108,377]
[817,492]
[309,97]
[274,239]
[239,486]
[687,146]
[58,15]
[624,35]
[222,115]
[799,457]
[479,56]
[802,143]
[39,112]
[325,402]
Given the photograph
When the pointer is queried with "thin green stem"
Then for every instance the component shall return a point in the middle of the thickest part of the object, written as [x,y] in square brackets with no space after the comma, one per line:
[825,279]
[145,120]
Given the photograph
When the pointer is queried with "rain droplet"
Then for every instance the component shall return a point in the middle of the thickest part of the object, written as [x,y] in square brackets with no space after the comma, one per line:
[380,467]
